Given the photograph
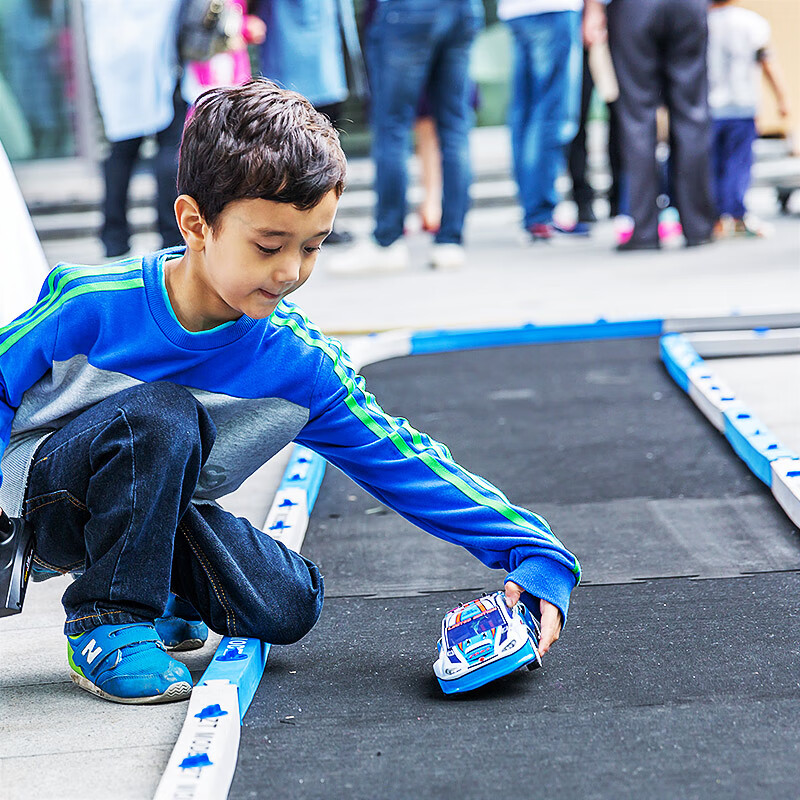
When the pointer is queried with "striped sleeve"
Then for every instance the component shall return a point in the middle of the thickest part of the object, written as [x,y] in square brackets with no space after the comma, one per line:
[417,477]
[28,343]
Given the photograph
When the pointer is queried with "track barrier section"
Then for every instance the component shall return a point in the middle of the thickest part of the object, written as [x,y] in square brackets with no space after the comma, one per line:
[772,463]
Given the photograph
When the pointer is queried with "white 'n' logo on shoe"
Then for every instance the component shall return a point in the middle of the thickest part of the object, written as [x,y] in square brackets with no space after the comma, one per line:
[90,654]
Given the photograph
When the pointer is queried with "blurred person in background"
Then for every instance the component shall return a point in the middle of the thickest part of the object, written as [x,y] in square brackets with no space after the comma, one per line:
[229,68]
[738,53]
[659,53]
[583,193]
[33,62]
[307,47]
[545,101]
[133,58]
[429,158]
[411,46]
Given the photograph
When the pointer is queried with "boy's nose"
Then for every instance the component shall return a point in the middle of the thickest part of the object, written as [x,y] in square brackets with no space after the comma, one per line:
[288,270]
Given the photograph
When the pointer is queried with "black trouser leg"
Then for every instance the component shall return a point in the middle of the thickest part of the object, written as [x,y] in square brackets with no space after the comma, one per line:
[117,169]
[635,52]
[166,170]
[577,156]
[689,123]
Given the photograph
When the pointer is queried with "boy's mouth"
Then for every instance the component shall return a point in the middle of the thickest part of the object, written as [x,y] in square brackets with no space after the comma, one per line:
[269,295]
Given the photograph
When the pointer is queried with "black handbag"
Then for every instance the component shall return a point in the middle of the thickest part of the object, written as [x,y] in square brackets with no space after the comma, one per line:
[206,27]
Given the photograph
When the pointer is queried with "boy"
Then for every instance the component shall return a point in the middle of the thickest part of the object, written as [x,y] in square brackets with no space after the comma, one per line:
[138,393]
[738,42]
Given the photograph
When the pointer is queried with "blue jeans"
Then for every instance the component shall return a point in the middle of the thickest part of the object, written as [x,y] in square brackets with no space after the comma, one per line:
[731,162]
[413,44]
[109,495]
[545,104]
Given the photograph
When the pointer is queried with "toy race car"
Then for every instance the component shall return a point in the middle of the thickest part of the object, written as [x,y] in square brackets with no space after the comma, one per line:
[484,640]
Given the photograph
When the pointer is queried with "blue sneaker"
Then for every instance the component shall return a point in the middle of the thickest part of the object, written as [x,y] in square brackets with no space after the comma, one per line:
[578,229]
[181,627]
[127,664]
[181,634]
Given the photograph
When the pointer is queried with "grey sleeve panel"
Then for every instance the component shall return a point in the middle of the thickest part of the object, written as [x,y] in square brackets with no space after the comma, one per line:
[249,430]
[249,433]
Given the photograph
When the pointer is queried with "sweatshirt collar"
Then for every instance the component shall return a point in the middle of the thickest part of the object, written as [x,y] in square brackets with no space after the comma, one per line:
[164,315]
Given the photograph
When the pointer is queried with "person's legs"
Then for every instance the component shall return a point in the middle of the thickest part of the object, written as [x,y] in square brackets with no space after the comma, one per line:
[541,117]
[399,46]
[635,54]
[430,164]
[582,191]
[449,87]
[166,170]
[520,112]
[105,495]
[719,157]
[742,134]
[684,63]
[615,191]
[117,169]
[110,494]
[241,581]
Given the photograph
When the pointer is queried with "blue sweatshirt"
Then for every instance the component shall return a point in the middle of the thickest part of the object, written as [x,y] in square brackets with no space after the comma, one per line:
[97,330]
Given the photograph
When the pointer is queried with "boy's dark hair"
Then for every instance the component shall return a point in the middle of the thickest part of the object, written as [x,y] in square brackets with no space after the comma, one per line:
[258,141]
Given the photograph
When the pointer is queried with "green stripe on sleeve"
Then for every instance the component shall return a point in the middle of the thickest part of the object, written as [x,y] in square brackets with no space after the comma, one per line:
[503,508]
[107,286]
[69,273]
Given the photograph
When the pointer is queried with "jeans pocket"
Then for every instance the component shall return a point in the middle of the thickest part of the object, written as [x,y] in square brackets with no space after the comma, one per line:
[57,520]
[46,501]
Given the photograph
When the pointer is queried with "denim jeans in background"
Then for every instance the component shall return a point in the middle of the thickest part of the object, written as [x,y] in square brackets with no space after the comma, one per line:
[545,105]
[412,44]
[109,494]
[731,163]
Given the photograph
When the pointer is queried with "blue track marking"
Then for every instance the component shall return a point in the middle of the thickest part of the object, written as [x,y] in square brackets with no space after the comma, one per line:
[442,341]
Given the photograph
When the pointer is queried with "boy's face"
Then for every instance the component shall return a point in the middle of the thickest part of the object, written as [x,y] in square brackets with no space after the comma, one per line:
[259,252]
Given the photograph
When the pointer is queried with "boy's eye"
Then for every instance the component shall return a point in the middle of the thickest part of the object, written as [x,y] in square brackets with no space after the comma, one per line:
[270,251]
[314,249]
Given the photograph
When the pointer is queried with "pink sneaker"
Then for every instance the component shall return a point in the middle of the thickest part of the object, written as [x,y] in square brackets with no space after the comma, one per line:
[669,226]
[623,228]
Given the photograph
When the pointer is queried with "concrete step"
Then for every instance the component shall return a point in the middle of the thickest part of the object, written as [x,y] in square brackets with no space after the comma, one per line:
[77,222]
[64,196]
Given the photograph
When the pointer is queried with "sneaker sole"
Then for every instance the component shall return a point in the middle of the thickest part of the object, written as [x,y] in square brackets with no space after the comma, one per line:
[186,644]
[175,692]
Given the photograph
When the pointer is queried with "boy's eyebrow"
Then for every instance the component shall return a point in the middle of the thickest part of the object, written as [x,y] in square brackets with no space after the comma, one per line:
[286,234]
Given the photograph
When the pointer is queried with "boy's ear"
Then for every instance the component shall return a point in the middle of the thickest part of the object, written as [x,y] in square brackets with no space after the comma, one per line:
[191,222]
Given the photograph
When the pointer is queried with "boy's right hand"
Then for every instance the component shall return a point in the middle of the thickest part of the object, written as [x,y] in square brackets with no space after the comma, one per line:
[551,617]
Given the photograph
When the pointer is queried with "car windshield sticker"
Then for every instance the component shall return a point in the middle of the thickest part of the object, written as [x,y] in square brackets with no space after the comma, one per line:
[474,627]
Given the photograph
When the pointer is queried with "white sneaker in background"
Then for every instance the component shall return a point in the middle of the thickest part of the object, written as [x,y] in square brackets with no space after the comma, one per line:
[751,225]
[447,256]
[367,256]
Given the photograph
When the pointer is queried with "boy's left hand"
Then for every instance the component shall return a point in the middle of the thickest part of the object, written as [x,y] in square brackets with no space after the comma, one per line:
[551,616]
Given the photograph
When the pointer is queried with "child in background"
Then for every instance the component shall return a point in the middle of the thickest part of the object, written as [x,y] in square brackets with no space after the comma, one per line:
[738,53]
[231,68]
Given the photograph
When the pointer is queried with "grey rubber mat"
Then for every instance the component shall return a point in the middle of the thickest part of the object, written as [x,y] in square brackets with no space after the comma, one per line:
[673,678]
[594,436]
[668,689]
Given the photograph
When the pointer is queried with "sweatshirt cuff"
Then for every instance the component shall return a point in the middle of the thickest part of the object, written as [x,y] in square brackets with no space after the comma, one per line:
[545,579]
